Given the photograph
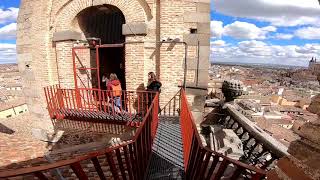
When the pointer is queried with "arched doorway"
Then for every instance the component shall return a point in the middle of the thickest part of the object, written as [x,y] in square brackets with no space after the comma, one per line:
[105,22]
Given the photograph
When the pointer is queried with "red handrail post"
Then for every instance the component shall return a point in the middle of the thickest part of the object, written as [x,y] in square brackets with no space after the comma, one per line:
[60,97]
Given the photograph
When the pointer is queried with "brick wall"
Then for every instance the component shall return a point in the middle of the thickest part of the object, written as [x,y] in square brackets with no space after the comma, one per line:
[50,63]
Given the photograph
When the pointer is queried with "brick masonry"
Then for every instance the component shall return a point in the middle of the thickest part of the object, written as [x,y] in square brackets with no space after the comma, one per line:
[44,62]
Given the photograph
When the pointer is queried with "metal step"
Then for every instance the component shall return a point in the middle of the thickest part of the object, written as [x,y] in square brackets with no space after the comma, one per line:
[75,114]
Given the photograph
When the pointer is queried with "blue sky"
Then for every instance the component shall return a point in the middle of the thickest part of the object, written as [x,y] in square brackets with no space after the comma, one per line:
[8,14]
[265,31]
[257,31]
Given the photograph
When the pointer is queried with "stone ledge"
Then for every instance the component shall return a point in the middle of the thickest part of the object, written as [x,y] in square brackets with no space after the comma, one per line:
[192,17]
[203,28]
[192,39]
[66,35]
[134,29]
[203,7]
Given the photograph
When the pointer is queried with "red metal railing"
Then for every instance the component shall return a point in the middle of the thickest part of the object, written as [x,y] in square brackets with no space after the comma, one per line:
[172,108]
[65,102]
[126,161]
[203,163]
[129,160]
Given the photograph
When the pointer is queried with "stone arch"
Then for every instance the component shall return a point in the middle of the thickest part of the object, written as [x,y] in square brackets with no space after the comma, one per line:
[133,10]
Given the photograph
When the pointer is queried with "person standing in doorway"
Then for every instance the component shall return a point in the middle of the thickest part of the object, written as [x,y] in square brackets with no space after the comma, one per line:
[153,85]
[105,81]
[114,86]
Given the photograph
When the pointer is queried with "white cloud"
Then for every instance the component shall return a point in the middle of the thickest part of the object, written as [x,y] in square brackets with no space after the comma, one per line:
[218,43]
[216,28]
[7,53]
[309,48]
[8,31]
[269,29]
[278,13]
[283,36]
[260,52]
[255,48]
[308,33]
[244,30]
[8,15]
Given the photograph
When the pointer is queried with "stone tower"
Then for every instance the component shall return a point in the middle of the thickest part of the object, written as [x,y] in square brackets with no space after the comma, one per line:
[49,29]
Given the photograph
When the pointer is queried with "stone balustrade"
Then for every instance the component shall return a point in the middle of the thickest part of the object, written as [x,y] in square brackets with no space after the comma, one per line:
[260,149]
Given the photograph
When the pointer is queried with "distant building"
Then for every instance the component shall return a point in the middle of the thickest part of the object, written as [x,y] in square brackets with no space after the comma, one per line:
[314,66]
[282,101]
[13,108]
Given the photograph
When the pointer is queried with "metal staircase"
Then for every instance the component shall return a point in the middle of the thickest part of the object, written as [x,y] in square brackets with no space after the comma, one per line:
[165,146]
[167,152]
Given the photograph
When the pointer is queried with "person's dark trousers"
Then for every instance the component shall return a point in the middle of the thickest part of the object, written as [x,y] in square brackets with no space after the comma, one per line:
[150,100]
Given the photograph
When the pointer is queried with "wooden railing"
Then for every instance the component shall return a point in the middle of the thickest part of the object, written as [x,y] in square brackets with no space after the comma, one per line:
[126,161]
[201,162]
[63,102]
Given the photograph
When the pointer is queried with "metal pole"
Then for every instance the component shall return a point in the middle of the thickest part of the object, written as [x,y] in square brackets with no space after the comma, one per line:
[185,67]
[98,66]
[198,59]
[158,36]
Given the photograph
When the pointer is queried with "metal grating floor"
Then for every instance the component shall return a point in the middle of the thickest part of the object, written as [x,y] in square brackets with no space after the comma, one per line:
[99,115]
[167,157]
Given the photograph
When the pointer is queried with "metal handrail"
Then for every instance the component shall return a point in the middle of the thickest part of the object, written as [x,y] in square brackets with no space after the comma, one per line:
[197,157]
[138,152]
[173,100]
[90,99]
[147,128]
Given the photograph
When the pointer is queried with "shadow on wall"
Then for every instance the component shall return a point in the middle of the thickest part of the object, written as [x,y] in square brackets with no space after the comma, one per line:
[5,129]
[138,101]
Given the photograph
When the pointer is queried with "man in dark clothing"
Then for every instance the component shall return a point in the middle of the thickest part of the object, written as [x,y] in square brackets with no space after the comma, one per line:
[154,86]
